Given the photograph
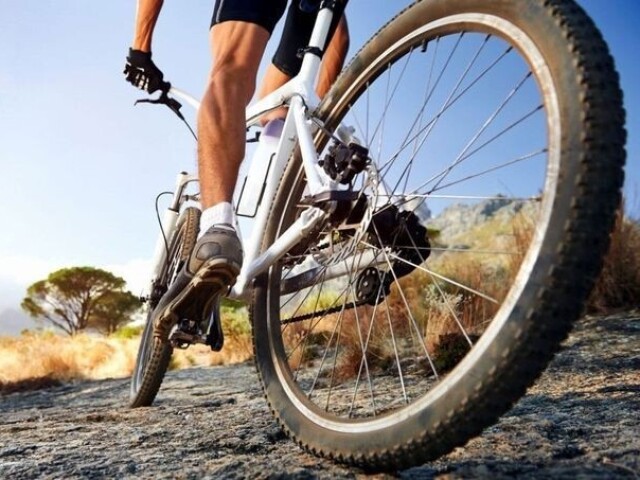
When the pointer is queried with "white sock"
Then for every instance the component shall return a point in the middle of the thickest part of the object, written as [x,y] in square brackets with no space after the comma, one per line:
[221,213]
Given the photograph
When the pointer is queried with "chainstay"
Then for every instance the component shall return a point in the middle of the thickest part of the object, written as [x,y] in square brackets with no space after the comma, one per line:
[321,313]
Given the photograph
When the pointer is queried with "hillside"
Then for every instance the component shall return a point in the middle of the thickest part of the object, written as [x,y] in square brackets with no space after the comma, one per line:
[467,224]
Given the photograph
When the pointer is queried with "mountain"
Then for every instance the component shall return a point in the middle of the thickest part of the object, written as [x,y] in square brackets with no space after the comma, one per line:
[456,221]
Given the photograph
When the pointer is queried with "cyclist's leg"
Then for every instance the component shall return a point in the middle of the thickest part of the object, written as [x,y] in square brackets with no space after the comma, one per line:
[237,49]
[216,259]
[332,63]
[334,57]
[239,34]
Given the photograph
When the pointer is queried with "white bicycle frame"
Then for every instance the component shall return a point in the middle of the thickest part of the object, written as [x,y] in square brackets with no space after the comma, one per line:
[299,94]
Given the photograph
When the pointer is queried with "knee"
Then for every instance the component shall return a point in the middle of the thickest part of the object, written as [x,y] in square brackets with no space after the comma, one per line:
[233,81]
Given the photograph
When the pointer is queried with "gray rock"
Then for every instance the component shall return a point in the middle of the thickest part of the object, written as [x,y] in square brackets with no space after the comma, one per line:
[580,420]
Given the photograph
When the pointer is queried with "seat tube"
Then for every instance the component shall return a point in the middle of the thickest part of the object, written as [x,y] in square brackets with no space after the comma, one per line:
[311,60]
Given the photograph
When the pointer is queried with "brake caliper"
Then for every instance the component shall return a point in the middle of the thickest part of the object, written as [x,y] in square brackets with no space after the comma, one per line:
[343,162]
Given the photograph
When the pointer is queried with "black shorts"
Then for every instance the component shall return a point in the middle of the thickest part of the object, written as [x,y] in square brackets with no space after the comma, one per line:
[266,13]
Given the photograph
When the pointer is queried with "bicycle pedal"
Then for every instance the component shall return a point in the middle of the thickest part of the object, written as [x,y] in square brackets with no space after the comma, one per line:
[185,334]
[214,336]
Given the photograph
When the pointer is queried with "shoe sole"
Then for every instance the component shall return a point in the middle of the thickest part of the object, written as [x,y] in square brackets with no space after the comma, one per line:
[213,278]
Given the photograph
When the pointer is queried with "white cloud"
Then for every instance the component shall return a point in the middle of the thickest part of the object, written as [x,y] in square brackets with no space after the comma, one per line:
[23,270]
[135,272]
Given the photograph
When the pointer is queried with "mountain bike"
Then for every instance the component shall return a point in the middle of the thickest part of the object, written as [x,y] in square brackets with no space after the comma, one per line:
[381,340]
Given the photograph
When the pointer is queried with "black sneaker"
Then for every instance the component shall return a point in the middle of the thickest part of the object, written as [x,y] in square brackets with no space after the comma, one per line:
[211,270]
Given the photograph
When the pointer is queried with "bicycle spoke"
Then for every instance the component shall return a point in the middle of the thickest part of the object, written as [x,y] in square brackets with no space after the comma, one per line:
[502,132]
[363,349]
[388,98]
[441,277]
[395,352]
[362,361]
[427,96]
[463,155]
[406,304]
[335,363]
[320,319]
[489,170]
[444,297]
[448,106]
[308,334]
[438,116]
[326,349]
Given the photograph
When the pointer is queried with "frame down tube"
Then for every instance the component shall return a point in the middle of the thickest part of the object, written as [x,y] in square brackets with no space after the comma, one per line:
[300,95]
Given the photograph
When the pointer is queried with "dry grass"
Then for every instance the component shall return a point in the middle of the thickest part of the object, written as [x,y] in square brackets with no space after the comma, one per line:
[618,286]
[451,307]
[363,330]
[45,355]
[40,359]
[236,350]
[439,309]
[420,311]
[429,312]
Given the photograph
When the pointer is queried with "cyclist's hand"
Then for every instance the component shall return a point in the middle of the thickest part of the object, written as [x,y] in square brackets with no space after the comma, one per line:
[141,72]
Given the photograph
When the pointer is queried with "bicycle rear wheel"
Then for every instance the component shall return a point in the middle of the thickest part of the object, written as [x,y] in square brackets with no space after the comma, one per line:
[390,340]
[154,354]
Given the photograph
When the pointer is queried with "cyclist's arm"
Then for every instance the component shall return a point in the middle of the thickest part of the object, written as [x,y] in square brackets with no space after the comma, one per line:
[146,18]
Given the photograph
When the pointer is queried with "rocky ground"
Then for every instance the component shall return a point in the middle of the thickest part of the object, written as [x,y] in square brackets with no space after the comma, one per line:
[580,420]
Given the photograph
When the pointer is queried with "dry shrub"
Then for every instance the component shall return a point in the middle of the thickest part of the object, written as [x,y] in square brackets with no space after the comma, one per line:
[293,338]
[39,358]
[438,311]
[236,350]
[367,328]
[450,350]
[342,334]
[408,294]
[451,308]
[490,275]
[618,286]
[302,339]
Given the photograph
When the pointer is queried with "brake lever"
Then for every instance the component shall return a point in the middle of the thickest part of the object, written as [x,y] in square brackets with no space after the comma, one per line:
[173,104]
[164,99]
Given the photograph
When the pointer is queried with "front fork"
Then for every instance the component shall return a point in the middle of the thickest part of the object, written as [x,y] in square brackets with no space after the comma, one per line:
[168,226]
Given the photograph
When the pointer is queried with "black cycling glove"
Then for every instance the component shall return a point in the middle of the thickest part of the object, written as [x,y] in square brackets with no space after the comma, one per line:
[141,72]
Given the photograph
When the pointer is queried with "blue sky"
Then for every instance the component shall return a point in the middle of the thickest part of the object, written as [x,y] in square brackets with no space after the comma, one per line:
[81,167]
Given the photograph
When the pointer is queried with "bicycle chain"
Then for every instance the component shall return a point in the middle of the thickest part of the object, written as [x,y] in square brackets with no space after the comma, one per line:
[322,313]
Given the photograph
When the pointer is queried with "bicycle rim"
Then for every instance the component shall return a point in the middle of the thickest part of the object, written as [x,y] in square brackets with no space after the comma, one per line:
[395,169]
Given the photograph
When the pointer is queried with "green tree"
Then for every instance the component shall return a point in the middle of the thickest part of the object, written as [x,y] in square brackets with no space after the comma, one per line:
[75,298]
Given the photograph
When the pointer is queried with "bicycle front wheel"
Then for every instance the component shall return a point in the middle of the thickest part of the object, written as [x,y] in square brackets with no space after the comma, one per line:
[496,144]
[154,354]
